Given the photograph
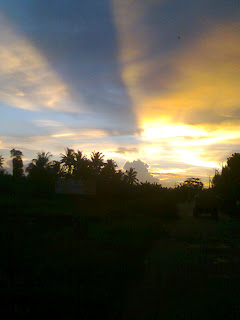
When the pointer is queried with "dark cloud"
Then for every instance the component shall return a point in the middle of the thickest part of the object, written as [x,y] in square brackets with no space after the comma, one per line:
[125,150]
[129,132]
[78,39]
[211,115]
[142,171]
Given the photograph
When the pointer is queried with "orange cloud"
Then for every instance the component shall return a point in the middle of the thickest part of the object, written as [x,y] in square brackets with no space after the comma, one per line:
[187,100]
[205,75]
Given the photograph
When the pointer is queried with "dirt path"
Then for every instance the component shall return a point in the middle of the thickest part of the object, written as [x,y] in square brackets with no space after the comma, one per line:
[192,274]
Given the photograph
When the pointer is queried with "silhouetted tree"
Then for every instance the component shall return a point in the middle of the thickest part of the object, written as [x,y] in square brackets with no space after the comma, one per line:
[1,161]
[119,175]
[82,166]
[97,162]
[41,171]
[193,183]
[147,187]
[6,183]
[57,169]
[40,165]
[68,161]
[109,170]
[17,162]
[227,182]
[131,177]
[189,188]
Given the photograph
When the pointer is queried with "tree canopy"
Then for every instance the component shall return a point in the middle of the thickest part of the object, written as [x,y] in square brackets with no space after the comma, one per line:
[17,162]
[226,182]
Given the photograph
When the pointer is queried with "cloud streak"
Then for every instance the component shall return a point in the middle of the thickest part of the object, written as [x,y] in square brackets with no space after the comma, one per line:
[27,80]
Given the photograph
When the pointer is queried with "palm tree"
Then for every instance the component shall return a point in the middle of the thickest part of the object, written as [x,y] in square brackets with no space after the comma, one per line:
[41,163]
[120,176]
[109,169]
[68,161]
[57,169]
[131,177]
[97,162]
[40,169]
[1,161]
[81,165]
[41,172]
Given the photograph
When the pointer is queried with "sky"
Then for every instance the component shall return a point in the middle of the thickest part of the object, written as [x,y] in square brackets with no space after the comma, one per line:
[153,84]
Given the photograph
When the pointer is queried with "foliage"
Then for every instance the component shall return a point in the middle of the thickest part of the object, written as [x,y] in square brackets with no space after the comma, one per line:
[193,183]
[97,162]
[109,169]
[5,182]
[131,177]
[68,161]
[1,161]
[189,188]
[16,156]
[43,173]
[82,166]
[227,183]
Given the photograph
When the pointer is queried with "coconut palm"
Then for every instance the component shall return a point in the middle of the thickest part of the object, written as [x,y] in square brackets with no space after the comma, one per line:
[40,165]
[81,165]
[68,161]
[131,177]
[41,173]
[97,162]
[109,169]
[57,169]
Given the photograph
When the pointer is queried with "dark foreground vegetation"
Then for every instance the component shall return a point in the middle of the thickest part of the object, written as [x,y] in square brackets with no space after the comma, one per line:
[80,256]
[56,265]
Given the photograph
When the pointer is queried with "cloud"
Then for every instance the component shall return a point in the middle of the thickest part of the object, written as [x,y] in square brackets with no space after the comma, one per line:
[185,92]
[126,150]
[142,171]
[192,81]
[48,123]
[27,80]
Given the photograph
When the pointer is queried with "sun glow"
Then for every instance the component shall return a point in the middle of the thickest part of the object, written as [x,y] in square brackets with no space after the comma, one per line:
[192,158]
[163,130]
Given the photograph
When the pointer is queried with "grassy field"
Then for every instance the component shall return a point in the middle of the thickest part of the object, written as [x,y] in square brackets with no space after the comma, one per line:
[86,271]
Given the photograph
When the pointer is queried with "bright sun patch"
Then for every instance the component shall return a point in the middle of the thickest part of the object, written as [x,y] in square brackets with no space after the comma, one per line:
[192,158]
[153,131]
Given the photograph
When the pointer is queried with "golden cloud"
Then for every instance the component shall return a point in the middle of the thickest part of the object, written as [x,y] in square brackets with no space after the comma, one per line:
[188,99]
[202,75]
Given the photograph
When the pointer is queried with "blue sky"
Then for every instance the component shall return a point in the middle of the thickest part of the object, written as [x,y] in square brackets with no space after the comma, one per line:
[156,81]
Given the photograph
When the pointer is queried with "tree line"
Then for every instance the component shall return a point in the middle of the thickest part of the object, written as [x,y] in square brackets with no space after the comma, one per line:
[42,174]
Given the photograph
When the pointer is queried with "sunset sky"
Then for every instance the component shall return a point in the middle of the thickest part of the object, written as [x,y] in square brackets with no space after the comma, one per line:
[150,80]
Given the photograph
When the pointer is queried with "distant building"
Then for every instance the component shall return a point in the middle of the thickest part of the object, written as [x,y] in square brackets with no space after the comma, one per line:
[80,186]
